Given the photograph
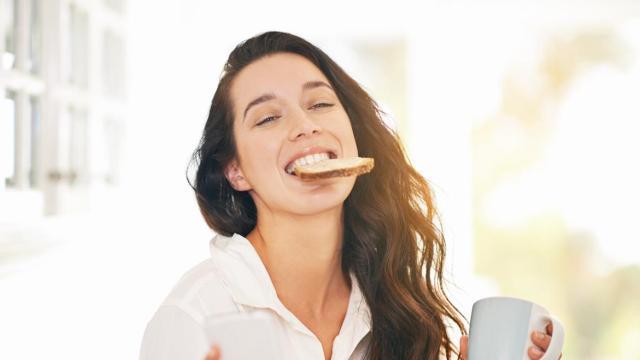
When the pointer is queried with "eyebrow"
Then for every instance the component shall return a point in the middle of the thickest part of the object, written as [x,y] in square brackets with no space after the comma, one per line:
[270,96]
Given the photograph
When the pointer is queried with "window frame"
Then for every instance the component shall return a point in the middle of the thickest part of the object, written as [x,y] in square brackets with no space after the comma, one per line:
[46,172]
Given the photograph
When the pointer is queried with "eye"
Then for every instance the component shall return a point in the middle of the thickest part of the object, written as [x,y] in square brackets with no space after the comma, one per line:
[321,105]
[266,120]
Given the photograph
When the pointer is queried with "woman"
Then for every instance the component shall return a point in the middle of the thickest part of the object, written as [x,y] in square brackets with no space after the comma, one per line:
[350,268]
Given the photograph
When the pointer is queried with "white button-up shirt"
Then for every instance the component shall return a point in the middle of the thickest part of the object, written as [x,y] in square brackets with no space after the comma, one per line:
[234,280]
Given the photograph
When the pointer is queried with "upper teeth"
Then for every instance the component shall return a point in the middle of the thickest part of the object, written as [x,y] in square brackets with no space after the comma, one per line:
[307,160]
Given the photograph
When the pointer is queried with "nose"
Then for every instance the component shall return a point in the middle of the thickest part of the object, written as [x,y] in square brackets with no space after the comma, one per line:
[303,125]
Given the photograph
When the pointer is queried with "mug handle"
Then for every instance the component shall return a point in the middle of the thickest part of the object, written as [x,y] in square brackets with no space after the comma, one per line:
[557,339]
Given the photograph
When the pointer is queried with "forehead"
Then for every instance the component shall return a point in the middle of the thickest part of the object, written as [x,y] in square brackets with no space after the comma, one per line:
[281,74]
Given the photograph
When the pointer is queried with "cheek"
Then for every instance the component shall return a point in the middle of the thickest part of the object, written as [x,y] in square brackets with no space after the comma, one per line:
[258,155]
[347,138]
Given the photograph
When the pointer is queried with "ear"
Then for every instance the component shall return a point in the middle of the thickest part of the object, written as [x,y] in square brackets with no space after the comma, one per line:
[234,174]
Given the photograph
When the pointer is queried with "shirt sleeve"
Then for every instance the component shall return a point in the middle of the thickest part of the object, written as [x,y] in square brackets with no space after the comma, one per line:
[172,334]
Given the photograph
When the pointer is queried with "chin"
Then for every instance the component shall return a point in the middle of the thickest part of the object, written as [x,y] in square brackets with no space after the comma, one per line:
[314,209]
[323,198]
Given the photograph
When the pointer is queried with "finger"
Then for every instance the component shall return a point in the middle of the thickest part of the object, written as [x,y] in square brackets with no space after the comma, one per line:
[464,345]
[541,340]
[550,328]
[535,353]
[214,354]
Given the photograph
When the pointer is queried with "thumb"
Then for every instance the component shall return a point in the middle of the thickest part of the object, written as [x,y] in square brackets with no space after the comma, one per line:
[464,344]
[214,353]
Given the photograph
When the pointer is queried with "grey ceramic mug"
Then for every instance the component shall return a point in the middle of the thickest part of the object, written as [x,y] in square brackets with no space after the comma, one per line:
[501,329]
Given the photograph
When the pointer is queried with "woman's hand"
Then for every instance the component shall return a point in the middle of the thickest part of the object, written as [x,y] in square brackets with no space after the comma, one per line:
[540,340]
[214,353]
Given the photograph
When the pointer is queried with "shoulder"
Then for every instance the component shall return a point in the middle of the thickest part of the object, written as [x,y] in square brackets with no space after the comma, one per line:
[202,291]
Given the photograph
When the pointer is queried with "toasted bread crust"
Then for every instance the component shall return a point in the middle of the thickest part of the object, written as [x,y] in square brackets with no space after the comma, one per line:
[365,166]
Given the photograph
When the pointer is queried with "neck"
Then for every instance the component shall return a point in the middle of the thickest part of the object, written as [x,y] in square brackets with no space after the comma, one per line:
[303,256]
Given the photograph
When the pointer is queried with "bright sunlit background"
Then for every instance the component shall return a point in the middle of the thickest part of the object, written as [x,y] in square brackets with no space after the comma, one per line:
[524,116]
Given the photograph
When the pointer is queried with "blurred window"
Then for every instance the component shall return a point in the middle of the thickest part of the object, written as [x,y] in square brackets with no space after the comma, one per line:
[8,21]
[113,138]
[87,93]
[36,114]
[113,65]
[116,5]
[35,38]
[77,55]
[7,138]
[78,146]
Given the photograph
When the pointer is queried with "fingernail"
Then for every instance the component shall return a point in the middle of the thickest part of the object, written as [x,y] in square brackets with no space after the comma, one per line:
[539,335]
[536,351]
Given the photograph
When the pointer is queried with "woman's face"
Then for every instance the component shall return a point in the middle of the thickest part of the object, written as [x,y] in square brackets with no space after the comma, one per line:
[284,109]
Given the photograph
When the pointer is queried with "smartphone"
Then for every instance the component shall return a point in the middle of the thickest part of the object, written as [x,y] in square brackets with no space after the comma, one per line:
[244,336]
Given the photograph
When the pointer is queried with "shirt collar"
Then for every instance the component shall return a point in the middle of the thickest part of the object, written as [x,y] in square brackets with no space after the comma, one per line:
[248,280]
[244,272]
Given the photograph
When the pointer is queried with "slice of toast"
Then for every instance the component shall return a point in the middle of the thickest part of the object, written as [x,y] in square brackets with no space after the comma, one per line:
[335,168]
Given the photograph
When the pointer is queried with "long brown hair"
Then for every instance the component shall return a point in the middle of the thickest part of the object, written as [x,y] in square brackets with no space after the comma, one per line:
[392,241]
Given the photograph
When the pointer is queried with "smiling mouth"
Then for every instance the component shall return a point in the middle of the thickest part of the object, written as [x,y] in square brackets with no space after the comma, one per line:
[308,160]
